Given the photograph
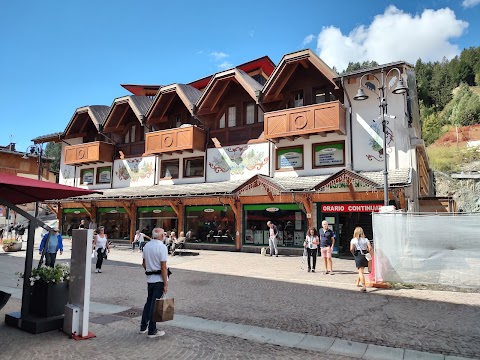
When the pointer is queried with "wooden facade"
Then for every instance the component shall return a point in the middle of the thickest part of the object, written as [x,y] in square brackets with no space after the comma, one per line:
[305,121]
[88,153]
[178,139]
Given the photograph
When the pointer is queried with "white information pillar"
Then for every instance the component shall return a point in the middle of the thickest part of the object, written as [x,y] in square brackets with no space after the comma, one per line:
[78,308]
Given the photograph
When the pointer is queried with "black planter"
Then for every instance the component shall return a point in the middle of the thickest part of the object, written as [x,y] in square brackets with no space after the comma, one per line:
[48,299]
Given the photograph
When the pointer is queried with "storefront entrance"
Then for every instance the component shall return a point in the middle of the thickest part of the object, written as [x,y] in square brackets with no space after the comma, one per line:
[115,221]
[290,220]
[210,224]
[343,218]
[71,220]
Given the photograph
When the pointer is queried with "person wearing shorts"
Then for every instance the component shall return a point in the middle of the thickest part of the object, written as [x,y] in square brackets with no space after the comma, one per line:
[327,242]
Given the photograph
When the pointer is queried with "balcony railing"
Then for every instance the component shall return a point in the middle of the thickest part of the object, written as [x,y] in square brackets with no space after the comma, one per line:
[175,140]
[88,153]
[304,121]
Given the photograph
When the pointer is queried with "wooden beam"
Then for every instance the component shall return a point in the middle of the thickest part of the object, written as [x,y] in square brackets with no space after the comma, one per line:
[55,211]
[290,138]
[220,93]
[352,190]
[178,207]
[322,134]
[121,117]
[236,207]
[84,205]
[286,77]
[305,136]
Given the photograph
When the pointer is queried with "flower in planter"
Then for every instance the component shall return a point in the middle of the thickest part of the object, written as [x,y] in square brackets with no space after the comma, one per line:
[9,244]
[57,275]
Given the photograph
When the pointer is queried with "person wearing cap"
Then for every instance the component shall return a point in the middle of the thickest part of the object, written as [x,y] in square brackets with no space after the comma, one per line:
[51,242]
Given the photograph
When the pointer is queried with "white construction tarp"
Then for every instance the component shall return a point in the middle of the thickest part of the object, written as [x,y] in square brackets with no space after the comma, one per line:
[427,248]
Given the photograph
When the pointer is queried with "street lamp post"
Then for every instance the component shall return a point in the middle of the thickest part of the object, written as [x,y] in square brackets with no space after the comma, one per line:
[382,95]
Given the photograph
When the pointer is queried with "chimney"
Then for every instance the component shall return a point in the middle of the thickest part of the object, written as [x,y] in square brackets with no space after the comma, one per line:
[11,146]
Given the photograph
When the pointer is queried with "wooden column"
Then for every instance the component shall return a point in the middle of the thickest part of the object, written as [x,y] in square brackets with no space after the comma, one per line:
[307,203]
[178,207]
[237,210]
[131,209]
[84,205]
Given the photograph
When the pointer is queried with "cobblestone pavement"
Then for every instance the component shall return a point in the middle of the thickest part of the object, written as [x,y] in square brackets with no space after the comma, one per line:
[119,340]
[276,293]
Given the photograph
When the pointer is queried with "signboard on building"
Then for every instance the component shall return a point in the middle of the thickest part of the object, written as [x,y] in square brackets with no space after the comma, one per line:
[290,158]
[332,154]
[329,208]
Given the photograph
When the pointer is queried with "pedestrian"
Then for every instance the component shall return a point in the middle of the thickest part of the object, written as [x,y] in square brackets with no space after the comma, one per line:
[101,245]
[311,244]
[139,240]
[178,243]
[327,242]
[55,243]
[359,246]
[82,224]
[155,264]
[1,233]
[21,232]
[272,238]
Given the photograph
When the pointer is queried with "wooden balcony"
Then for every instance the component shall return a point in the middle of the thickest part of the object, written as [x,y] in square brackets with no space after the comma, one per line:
[304,121]
[89,153]
[175,140]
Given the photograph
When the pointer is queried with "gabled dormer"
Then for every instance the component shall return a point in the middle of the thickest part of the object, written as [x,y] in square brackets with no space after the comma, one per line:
[229,107]
[87,145]
[171,117]
[301,98]
[125,124]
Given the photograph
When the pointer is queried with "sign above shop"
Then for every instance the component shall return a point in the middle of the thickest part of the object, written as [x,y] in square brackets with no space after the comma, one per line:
[76,212]
[157,211]
[208,210]
[272,209]
[351,207]
[113,211]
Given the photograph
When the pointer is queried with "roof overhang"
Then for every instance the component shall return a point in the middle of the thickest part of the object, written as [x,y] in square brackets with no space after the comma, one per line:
[217,86]
[141,90]
[82,117]
[164,98]
[116,117]
[286,68]
[348,179]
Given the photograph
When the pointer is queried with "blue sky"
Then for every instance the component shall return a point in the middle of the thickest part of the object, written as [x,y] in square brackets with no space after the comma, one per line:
[60,55]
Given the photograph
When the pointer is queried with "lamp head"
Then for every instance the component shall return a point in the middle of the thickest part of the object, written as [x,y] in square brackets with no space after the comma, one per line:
[360,95]
[401,88]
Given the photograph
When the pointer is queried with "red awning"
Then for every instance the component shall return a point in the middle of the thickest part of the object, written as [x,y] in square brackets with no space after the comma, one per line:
[20,190]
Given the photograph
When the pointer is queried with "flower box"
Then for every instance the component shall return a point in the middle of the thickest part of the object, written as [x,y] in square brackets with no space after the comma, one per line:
[48,299]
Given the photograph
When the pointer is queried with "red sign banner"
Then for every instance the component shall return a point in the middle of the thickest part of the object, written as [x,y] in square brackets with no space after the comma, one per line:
[351,207]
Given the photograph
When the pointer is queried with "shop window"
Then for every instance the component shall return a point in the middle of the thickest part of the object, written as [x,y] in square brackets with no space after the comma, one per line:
[193,167]
[150,218]
[169,169]
[104,174]
[210,224]
[289,158]
[329,154]
[87,176]
[250,113]
[115,221]
[290,220]
[71,220]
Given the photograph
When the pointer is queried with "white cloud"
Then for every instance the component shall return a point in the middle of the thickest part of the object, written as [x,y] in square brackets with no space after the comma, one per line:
[225,65]
[308,39]
[218,55]
[470,3]
[392,36]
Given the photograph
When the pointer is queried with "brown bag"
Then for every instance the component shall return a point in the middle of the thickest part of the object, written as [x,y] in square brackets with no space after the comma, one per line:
[163,310]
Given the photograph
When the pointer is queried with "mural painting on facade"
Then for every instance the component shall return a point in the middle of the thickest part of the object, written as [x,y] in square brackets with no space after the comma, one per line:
[238,159]
[68,175]
[376,142]
[135,169]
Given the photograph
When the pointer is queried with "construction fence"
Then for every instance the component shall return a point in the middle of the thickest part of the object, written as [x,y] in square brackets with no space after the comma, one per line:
[427,248]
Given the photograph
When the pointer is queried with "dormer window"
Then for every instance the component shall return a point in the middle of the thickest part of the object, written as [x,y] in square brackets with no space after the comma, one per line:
[178,121]
[298,98]
[232,119]
[221,123]
[250,113]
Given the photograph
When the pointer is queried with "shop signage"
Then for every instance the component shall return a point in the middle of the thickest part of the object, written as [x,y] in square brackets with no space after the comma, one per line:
[351,207]
[76,212]
[329,154]
[208,210]
[104,175]
[156,211]
[113,211]
[290,158]
[272,209]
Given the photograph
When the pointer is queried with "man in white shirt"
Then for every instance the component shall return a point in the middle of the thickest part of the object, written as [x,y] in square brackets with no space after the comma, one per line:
[155,265]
